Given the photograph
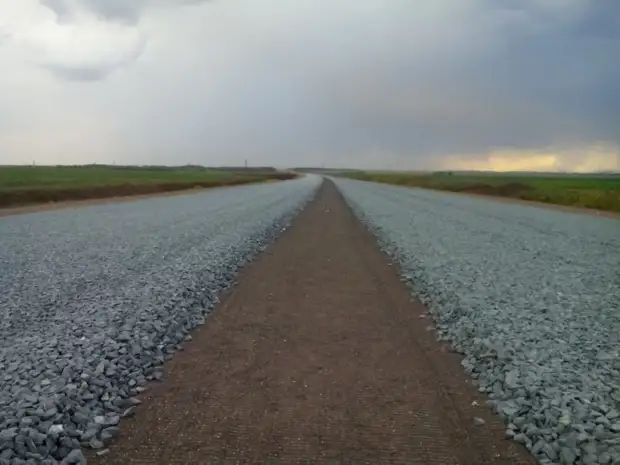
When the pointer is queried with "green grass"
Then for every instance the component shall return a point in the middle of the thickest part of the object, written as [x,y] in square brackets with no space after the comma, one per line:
[50,177]
[587,191]
[21,185]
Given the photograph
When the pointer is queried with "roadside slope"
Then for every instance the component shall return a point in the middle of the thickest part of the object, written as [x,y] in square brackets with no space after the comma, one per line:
[318,355]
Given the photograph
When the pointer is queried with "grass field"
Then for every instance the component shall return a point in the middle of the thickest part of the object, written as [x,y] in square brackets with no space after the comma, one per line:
[24,185]
[601,192]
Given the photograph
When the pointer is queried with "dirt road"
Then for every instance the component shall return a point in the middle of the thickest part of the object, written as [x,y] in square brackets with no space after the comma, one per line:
[317,356]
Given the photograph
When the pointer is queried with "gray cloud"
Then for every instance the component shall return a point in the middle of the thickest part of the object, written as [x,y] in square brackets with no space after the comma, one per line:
[370,83]
[79,74]
[111,10]
[117,10]
[60,7]
[530,80]
[91,73]
[121,12]
[124,11]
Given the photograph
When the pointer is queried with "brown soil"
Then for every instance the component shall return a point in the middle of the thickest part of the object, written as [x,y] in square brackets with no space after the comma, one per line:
[318,356]
[550,206]
[33,200]
[511,189]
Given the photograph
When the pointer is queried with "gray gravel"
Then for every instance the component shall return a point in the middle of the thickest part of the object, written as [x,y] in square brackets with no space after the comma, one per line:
[95,299]
[530,296]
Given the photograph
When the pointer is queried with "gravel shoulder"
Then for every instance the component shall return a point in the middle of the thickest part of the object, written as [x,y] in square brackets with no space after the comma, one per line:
[318,355]
[530,295]
[96,299]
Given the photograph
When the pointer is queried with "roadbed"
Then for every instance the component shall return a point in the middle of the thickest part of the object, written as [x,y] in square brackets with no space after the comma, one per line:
[319,355]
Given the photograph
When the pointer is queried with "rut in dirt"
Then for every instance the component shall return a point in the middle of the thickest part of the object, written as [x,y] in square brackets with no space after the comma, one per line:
[318,355]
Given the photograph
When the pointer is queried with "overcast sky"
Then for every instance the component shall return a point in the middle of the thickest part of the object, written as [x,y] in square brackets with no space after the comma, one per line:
[416,84]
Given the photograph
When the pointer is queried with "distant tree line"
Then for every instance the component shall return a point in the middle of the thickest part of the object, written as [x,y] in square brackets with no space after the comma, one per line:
[262,169]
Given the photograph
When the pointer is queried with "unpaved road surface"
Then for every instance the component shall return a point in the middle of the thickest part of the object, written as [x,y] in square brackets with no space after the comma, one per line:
[317,355]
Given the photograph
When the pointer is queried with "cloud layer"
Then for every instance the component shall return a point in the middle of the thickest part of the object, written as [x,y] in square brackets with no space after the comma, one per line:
[367,83]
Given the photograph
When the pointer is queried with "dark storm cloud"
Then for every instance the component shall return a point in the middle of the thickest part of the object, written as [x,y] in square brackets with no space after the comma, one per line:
[541,81]
[518,77]
[602,19]
[599,18]
[523,75]
[570,66]
[348,82]
[532,82]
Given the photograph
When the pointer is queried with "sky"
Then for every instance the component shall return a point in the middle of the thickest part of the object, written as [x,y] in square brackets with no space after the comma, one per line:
[372,84]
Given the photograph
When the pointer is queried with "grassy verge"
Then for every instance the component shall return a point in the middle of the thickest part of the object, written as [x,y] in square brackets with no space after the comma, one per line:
[601,192]
[28,185]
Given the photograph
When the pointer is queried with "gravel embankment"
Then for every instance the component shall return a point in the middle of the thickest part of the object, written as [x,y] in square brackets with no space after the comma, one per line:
[95,299]
[530,295]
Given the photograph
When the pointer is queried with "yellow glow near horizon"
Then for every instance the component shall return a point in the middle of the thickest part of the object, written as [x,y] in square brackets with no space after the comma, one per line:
[586,160]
